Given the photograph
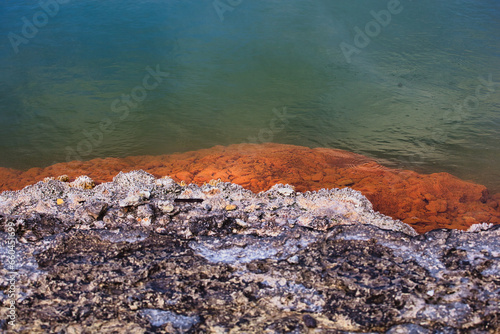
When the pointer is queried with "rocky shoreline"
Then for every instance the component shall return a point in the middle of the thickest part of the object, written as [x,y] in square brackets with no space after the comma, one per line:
[147,255]
[423,201]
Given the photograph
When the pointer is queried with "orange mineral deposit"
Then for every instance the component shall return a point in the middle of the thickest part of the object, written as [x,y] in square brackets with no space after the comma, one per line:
[423,201]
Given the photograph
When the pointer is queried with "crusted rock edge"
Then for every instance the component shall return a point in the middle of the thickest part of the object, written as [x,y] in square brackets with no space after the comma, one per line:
[141,254]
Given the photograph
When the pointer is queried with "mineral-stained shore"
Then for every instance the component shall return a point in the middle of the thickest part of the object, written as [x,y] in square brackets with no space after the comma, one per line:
[424,201]
[147,255]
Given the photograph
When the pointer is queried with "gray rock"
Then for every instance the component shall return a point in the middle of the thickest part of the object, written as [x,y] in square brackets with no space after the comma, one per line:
[276,262]
[158,318]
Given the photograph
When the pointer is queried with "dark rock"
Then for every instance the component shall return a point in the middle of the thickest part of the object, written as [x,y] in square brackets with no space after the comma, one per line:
[309,321]
[125,257]
[96,210]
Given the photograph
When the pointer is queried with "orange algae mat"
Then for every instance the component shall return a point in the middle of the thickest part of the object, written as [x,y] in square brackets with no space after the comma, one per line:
[425,202]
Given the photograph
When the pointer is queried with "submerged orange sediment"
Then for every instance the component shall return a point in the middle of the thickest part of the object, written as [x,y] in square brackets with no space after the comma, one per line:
[425,202]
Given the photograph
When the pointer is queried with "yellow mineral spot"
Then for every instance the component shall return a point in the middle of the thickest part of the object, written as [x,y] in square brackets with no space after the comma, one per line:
[59,201]
[183,184]
[230,207]
[63,178]
[213,183]
[83,182]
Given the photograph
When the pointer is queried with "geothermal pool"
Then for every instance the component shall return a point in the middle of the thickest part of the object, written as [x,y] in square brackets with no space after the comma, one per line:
[413,85]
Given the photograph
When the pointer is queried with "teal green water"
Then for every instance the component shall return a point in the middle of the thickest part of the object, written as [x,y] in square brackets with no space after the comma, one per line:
[417,90]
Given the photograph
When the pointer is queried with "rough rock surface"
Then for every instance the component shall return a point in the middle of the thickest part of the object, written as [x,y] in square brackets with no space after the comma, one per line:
[146,255]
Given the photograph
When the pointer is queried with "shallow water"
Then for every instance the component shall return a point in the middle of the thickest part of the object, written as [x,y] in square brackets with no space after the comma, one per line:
[262,71]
